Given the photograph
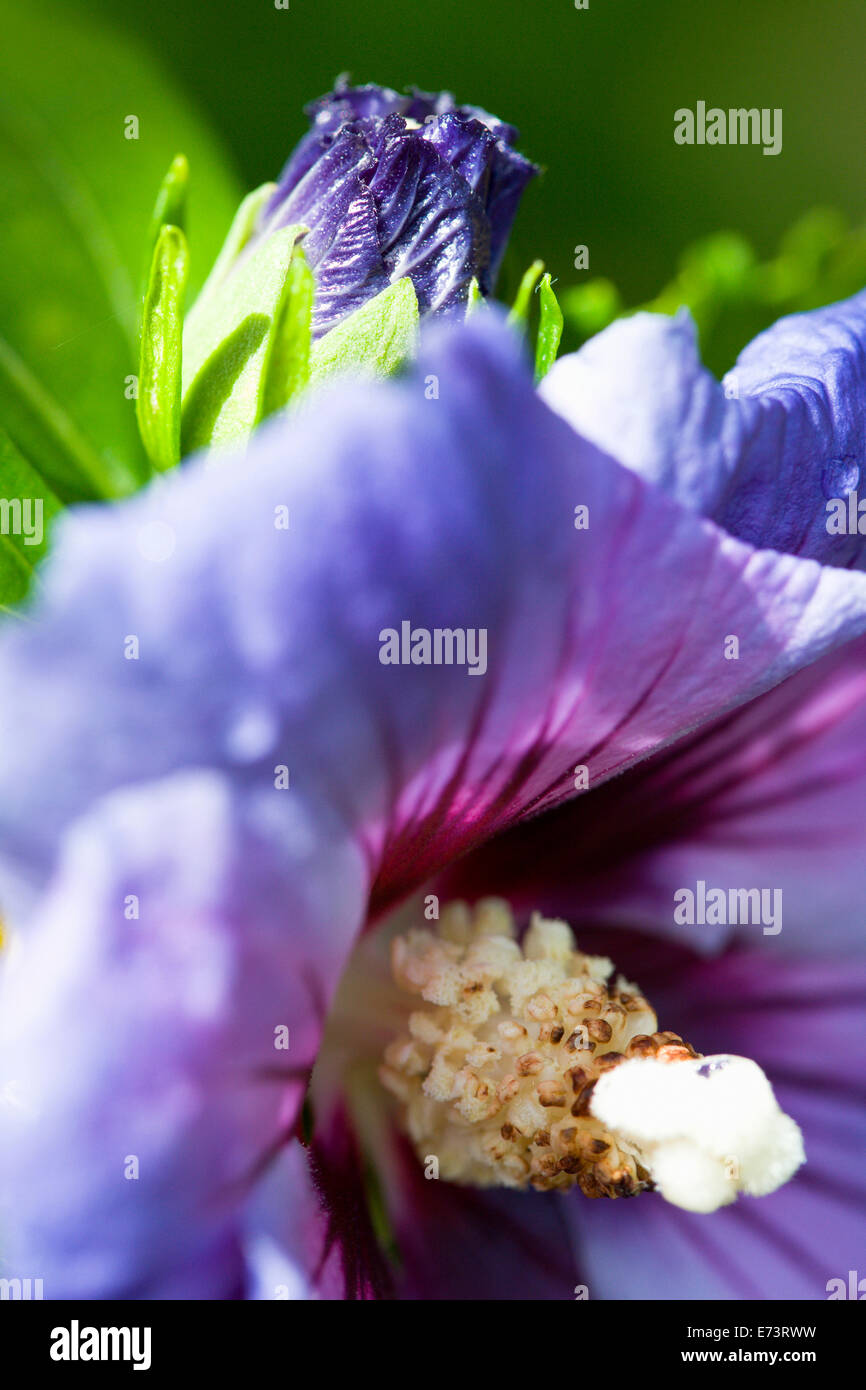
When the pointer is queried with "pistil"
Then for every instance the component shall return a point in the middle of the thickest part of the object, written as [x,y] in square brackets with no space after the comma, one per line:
[535,1065]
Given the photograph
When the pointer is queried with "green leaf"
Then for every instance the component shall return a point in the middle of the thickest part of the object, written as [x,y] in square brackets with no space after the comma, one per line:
[287,357]
[159,377]
[76,198]
[549,329]
[26,509]
[375,339]
[218,349]
[44,431]
[520,309]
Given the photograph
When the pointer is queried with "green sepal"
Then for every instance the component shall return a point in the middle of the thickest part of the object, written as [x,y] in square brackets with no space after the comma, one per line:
[27,498]
[159,376]
[375,339]
[549,329]
[228,343]
[522,300]
[287,355]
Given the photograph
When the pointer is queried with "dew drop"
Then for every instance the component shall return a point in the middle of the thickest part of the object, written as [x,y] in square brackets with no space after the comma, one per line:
[709,1068]
[840,476]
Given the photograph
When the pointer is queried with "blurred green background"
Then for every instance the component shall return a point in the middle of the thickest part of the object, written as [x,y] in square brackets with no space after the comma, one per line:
[593,92]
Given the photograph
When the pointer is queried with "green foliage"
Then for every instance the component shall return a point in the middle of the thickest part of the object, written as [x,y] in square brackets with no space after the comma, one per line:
[75,200]
[732,294]
[23,488]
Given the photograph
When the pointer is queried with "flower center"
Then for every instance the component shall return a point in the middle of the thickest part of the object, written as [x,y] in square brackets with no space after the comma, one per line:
[534,1066]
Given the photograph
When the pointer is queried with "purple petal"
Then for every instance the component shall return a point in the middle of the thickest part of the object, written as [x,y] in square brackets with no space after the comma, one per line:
[328,114]
[342,245]
[773,797]
[497,173]
[431,225]
[509,178]
[347,103]
[764,464]
[321,1244]
[467,146]
[799,1020]
[178,934]
[260,646]
[487,1244]
[286,1245]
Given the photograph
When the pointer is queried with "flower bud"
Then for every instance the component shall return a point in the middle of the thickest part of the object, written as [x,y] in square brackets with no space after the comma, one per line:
[392,207]
[393,185]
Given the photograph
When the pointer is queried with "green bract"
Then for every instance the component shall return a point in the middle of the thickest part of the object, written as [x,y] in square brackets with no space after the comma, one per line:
[170,207]
[247,344]
[550,319]
[227,343]
[549,329]
[160,364]
[286,368]
[523,299]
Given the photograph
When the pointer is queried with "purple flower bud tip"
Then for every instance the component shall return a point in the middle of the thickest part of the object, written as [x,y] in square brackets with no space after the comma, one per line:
[393,185]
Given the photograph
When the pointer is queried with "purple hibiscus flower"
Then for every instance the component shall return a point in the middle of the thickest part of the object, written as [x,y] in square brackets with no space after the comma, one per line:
[236,784]
[393,185]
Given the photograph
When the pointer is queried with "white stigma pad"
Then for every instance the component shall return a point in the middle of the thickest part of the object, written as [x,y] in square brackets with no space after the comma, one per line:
[708,1128]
